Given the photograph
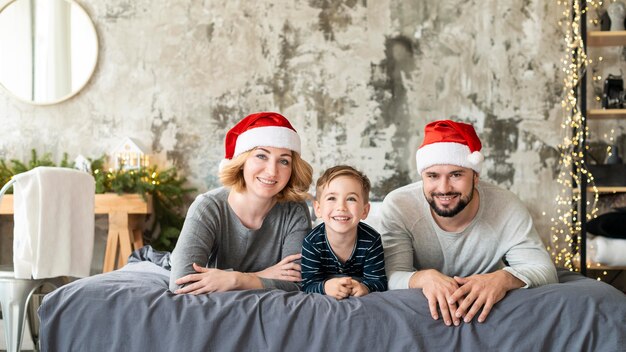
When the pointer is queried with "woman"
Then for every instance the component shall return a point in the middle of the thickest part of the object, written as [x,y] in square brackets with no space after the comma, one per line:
[248,234]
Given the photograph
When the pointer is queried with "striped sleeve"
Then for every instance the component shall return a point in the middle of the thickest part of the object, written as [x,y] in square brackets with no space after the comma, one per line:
[312,277]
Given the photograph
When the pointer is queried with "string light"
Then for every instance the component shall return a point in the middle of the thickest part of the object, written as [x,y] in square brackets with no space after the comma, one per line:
[566,226]
[611,138]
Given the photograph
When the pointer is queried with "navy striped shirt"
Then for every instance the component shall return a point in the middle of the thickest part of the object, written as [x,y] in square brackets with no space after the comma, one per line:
[366,263]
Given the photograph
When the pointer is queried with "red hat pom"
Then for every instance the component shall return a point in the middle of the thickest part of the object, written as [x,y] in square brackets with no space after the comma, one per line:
[476,158]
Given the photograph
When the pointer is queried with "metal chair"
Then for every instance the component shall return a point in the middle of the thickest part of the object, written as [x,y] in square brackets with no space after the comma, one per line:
[16,293]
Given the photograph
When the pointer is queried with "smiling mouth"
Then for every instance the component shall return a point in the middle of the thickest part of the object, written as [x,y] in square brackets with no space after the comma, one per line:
[266,181]
[445,197]
[340,218]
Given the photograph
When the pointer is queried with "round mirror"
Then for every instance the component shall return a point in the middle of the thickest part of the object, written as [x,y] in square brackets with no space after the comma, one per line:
[49,49]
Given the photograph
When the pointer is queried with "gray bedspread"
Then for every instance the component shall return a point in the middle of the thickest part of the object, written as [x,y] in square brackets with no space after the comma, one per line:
[131,309]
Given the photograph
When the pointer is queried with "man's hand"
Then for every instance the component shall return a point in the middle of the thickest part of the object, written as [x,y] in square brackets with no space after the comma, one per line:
[438,289]
[340,287]
[481,291]
[286,269]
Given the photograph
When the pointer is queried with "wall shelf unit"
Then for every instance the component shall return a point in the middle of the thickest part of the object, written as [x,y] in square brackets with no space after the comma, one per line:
[595,39]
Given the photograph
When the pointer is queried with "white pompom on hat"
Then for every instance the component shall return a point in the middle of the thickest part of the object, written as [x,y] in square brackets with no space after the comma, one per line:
[450,143]
[263,129]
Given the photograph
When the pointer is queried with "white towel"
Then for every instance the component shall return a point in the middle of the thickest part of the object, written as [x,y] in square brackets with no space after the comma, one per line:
[54,223]
[607,251]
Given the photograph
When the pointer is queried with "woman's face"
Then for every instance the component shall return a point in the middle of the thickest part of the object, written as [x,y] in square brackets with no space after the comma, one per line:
[267,171]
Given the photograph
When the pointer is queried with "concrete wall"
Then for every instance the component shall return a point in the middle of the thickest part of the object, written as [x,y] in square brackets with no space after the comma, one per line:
[359,80]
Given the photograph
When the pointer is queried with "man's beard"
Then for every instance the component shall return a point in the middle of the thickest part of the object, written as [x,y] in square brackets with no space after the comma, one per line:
[448,213]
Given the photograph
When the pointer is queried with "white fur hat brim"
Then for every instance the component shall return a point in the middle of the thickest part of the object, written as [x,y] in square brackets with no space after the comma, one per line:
[270,136]
[448,153]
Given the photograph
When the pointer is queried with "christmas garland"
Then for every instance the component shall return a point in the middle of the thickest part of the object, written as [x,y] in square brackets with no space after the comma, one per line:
[169,195]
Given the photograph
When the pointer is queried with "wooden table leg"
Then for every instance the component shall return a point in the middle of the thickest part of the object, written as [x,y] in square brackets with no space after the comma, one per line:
[119,234]
[125,231]
[136,226]
[110,254]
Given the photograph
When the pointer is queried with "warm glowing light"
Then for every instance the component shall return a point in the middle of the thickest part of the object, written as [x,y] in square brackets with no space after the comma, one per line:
[566,228]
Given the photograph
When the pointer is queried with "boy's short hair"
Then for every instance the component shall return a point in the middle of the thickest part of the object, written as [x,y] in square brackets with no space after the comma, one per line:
[343,170]
[296,189]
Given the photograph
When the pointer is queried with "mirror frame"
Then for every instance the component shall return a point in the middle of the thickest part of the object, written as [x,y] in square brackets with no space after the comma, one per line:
[91,71]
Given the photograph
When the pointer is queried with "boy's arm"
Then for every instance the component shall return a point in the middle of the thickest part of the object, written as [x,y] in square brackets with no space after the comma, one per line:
[312,276]
[374,277]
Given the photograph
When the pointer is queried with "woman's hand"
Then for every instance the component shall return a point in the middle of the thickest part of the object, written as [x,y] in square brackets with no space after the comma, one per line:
[286,269]
[208,280]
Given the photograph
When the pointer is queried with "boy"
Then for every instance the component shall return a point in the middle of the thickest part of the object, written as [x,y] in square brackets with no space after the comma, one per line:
[342,256]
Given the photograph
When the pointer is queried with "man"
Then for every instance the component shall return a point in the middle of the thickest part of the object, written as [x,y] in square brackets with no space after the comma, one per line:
[464,242]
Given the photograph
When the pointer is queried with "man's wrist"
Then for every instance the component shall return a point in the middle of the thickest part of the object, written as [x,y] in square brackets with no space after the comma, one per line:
[416,280]
[512,282]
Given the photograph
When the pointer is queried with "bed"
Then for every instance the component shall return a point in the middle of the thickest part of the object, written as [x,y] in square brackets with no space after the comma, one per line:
[131,309]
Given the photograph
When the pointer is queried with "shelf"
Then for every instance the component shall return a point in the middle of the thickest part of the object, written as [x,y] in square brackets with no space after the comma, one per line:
[604,189]
[605,114]
[598,38]
[607,189]
[598,266]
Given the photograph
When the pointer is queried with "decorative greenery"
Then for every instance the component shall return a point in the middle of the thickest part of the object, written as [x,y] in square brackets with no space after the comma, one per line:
[17,167]
[166,188]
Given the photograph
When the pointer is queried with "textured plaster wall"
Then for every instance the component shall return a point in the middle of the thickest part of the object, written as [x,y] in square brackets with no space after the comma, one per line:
[359,80]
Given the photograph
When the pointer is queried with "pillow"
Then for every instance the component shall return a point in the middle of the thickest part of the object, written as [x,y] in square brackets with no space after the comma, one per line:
[610,225]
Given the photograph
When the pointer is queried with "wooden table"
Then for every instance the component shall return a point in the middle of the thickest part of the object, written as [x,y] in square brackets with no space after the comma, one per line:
[126,216]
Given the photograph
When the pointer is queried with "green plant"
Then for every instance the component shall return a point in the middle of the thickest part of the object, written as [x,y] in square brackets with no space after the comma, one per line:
[14,166]
[166,187]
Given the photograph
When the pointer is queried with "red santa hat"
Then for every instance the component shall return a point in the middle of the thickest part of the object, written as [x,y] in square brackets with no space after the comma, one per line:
[263,129]
[449,143]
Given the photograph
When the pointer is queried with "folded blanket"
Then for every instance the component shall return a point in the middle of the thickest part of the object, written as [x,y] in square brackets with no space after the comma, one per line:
[54,223]
[608,251]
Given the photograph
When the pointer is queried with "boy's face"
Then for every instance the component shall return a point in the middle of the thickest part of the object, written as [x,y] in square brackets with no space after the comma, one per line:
[341,205]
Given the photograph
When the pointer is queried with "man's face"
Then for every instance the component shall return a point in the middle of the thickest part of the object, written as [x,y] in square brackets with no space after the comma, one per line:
[448,188]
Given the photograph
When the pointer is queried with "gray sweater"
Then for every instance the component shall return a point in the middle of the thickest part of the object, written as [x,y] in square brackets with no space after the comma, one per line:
[213,236]
[501,231]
